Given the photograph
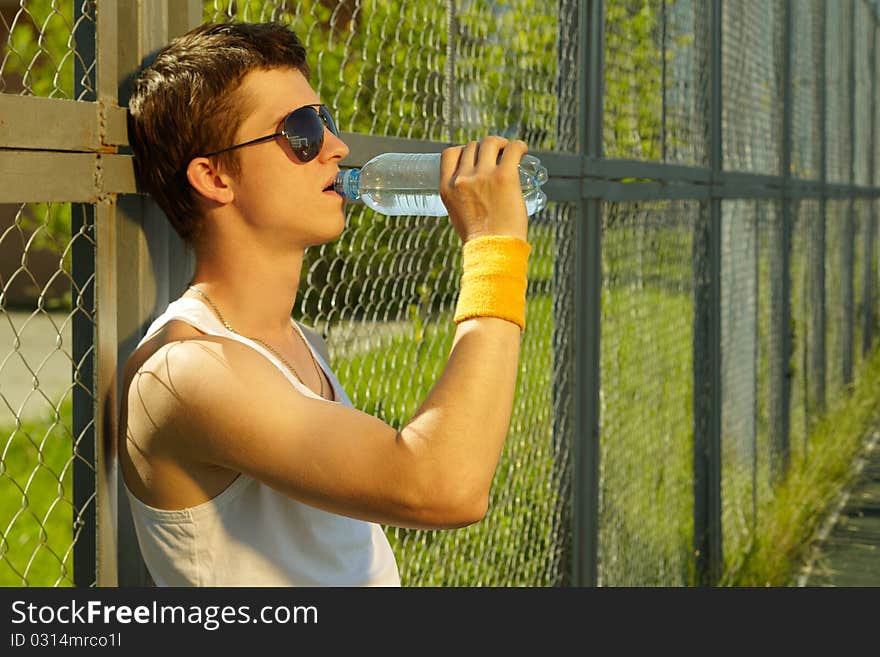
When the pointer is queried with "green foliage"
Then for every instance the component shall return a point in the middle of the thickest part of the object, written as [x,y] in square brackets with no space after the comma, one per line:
[393,75]
[506,72]
[646,514]
[633,82]
[40,48]
[36,508]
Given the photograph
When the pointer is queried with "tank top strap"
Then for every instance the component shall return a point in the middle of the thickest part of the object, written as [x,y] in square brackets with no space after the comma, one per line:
[191,311]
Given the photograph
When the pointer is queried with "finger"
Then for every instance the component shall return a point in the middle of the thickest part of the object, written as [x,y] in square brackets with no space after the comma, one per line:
[513,153]
[488,155]
[449,160]
[469,158]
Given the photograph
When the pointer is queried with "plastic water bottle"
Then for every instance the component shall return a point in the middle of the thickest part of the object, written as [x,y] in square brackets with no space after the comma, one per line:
[406,183]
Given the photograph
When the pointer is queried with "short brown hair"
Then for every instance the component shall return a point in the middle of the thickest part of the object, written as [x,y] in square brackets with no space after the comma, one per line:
[184,103]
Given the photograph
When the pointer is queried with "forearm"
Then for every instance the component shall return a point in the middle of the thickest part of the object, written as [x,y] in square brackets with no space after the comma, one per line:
[457,435]
[459,431]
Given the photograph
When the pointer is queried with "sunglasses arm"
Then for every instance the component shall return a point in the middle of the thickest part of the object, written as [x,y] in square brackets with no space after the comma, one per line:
[247,143]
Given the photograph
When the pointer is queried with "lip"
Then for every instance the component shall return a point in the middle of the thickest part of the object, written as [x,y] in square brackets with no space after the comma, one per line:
[329,183]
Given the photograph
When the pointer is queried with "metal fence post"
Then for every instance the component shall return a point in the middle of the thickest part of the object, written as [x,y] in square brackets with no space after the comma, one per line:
[868,312]
[848,243]
[569,72]
[818,373]
[870,271]
[83,334]
[449,104]
[106,406]
[780,297]
[587,306]
[707,540]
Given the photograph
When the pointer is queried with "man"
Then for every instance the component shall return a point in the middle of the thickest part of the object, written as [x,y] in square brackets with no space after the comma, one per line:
[244,461]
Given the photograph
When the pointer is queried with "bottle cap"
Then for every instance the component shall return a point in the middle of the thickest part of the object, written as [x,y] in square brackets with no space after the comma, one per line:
[347,183]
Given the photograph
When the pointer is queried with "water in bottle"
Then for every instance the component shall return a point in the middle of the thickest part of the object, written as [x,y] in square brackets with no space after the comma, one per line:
[406,183]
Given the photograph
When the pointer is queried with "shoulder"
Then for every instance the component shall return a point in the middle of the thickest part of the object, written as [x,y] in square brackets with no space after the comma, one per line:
[185,373]
[147,354]
[202,362]
[196,399]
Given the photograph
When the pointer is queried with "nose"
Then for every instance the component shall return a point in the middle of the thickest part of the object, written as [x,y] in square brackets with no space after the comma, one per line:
[334,147]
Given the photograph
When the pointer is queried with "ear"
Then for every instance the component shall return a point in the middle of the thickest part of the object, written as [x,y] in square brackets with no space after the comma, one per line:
[209,181]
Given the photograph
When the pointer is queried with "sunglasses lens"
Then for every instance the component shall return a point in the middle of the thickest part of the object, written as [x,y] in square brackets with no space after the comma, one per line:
[305,131]
[327,118]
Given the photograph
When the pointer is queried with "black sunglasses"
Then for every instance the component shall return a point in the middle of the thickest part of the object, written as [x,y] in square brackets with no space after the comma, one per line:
[304,129]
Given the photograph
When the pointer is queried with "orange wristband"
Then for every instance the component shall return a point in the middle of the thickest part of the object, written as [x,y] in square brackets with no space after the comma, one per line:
[493,282]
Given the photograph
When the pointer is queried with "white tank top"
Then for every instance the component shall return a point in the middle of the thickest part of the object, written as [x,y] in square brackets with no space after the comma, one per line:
[250,534]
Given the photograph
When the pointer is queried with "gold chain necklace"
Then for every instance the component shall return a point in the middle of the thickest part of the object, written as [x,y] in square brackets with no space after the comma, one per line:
[268,346]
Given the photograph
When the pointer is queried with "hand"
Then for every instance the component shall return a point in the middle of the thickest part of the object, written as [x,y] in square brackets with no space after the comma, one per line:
[482,192]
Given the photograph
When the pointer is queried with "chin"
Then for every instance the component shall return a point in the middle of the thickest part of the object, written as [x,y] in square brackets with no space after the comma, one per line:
[334,227]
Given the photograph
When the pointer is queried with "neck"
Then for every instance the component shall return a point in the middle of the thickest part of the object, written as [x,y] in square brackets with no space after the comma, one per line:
[255,291]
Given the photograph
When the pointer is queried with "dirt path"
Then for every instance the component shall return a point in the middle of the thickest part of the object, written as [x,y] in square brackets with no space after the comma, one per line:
[849,555]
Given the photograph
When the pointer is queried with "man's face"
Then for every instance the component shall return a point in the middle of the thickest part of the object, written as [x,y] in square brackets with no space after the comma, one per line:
[279,196]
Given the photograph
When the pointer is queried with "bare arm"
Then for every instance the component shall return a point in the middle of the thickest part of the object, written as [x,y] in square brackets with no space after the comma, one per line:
[221,403]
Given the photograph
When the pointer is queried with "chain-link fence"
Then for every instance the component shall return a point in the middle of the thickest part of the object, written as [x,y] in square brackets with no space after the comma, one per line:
[702,283]
[47,313]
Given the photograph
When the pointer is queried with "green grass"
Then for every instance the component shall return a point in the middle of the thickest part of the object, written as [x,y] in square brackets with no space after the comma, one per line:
[646,452]
[788,520]
[36,509]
